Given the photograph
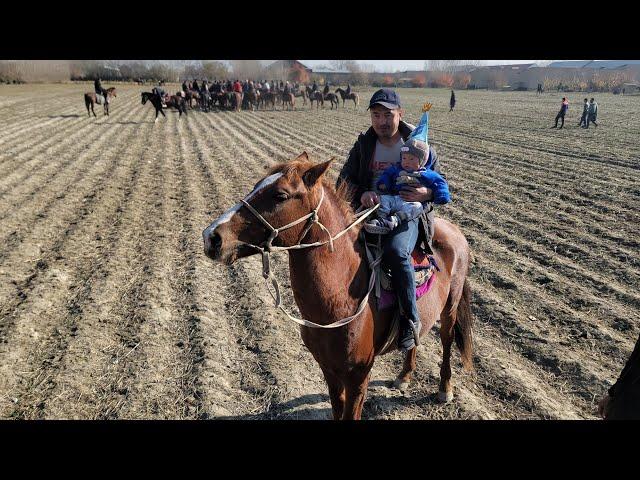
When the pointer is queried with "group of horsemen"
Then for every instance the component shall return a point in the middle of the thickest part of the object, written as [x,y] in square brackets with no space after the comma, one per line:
[260,88]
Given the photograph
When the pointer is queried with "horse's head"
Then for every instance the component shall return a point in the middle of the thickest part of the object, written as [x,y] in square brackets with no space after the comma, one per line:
[145,97]
[290,191]
[112,91]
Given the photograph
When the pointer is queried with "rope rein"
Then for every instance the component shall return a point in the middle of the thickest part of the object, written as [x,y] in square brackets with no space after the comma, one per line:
[313,219]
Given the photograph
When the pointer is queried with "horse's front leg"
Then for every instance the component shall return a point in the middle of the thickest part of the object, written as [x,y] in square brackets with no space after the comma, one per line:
[336,394]
[355,393]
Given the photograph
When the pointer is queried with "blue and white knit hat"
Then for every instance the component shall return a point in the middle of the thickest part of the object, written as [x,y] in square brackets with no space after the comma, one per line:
[417,143]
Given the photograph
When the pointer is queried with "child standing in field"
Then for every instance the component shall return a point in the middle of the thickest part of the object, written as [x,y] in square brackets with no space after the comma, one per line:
[412,170]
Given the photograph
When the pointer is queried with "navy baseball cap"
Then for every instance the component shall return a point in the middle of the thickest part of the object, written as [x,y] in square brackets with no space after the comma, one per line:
[385,97]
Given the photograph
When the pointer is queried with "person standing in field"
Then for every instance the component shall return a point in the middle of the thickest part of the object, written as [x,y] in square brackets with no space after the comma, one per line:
[622,400]
[585,113]
[593,113]
[563,111]
[452,101]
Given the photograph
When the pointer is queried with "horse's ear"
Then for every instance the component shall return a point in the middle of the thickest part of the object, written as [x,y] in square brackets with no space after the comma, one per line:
[302,157]
[311,176]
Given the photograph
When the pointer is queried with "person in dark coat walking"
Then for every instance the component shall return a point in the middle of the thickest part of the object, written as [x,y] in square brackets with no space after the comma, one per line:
[563,111]
[585,114]
[452,101]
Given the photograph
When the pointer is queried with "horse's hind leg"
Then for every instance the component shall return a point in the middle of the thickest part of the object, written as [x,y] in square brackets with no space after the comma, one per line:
[404,377]
[447,321]
[93,111]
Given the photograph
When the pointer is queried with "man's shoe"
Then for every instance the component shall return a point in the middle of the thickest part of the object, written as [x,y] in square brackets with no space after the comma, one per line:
[406,337]
[380,226]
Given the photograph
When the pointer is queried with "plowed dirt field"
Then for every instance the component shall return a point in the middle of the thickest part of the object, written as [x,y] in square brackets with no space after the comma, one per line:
[109,308]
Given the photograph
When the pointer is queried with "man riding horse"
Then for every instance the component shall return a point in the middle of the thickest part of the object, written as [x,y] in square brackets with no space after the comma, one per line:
[375,150]
[100,91]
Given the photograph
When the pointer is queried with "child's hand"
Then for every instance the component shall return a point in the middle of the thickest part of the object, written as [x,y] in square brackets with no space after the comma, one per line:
[382,186]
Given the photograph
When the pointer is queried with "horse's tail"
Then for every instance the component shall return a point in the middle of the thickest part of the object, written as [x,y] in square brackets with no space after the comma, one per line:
[463,327]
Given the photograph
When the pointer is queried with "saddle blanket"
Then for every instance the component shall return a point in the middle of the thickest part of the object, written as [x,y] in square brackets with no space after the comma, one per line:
[425,267]
[100,99]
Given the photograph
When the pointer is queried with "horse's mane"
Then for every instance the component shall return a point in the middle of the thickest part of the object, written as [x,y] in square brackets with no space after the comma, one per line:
[342,195]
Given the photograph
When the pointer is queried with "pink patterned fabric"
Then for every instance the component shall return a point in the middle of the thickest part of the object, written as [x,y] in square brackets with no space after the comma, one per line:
[389,299]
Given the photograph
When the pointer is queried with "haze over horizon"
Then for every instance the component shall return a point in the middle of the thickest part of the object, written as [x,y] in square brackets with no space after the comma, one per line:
[400,65]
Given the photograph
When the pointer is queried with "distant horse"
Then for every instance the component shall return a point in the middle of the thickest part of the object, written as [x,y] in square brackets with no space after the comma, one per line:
[333,98]
[301,93]
[222,98]
[266,98]
[172,101]
[90,99]
[315,97]
[351,96]
[296,209]
[288,99]
[192,95]
[236,100]
[205,101]
[251,99]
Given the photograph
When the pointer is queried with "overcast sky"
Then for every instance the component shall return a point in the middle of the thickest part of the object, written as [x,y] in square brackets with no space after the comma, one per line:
[401,65]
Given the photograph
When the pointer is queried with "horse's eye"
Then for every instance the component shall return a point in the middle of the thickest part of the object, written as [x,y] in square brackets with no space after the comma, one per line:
[281,196]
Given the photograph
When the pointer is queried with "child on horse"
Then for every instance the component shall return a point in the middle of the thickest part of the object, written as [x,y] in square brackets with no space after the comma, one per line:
[412,170]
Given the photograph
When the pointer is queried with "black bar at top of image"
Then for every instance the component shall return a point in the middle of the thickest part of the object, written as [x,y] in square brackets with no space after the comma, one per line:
[427,30]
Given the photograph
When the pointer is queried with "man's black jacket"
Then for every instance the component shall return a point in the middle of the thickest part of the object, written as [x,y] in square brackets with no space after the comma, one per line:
[358,175]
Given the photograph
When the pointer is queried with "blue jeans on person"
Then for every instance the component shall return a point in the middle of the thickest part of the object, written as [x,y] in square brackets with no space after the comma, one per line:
[398,245]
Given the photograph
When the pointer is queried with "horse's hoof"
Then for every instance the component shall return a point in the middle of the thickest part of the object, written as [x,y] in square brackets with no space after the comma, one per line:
[445,397]
[400,384]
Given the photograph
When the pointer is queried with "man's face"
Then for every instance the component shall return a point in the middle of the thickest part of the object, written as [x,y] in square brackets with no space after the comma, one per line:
[384,121]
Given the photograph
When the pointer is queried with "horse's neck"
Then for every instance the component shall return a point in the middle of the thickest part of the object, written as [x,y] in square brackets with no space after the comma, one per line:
[321,278]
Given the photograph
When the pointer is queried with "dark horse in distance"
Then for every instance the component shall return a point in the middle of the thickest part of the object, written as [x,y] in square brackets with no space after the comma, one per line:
[172,101]
[90,99]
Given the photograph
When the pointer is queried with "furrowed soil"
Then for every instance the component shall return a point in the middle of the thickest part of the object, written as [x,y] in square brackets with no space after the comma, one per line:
[110,310]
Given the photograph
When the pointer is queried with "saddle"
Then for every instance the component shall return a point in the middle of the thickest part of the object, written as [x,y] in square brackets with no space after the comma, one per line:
[99,99]
[424,267]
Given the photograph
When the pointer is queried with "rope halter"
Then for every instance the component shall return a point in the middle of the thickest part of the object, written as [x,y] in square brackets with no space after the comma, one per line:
[267,247]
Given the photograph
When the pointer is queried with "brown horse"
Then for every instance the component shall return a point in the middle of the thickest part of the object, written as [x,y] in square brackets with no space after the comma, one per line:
[288,99]
[351,96]
[315,97]
[236,100]
[90,100]
[329,283]
[192,95]
[301,93]
[251,98]
[266,98]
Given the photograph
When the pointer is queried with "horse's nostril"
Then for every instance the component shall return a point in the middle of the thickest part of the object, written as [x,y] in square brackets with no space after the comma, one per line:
[212,244]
